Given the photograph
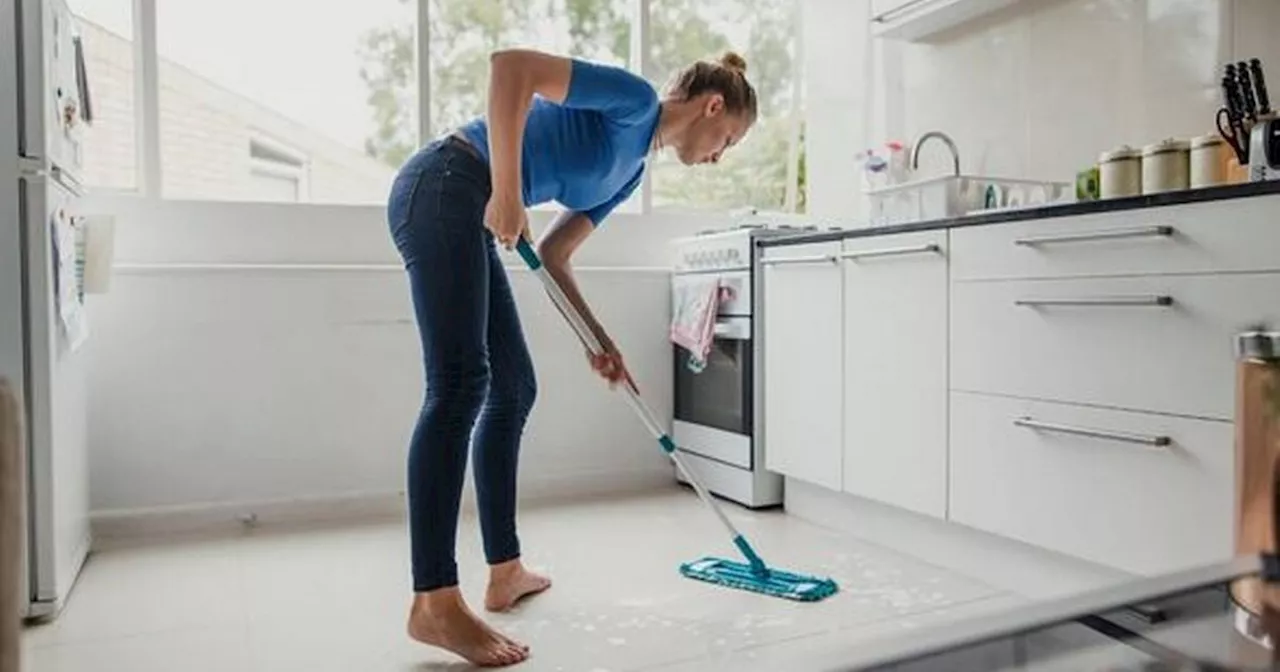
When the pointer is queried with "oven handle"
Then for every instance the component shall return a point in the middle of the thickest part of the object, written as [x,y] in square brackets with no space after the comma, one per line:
[734,329]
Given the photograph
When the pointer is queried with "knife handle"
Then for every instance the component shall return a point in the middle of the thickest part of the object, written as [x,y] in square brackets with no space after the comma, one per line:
[1260,83]
[1246,91]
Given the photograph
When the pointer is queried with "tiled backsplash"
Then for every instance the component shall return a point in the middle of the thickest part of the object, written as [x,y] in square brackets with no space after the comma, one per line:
[1037,90]
[1041,89]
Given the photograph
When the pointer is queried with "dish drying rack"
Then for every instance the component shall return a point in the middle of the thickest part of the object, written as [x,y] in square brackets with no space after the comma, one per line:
[957,195]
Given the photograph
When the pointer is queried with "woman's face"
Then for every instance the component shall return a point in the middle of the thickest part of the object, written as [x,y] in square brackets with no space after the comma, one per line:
[712,133]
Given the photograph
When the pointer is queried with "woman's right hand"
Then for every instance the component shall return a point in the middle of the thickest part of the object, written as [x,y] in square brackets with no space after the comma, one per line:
[505,216]
[609,363]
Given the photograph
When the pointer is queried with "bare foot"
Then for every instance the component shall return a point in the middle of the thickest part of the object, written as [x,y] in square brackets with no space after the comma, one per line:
[442,619]
[509,582]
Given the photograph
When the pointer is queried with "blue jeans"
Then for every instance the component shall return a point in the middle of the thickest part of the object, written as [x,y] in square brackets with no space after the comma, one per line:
[475,359]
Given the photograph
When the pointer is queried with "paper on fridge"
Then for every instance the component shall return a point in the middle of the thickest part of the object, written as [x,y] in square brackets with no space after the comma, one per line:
[68,254]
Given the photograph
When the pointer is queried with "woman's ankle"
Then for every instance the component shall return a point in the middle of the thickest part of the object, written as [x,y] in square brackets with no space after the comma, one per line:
[438,601]
[505,569]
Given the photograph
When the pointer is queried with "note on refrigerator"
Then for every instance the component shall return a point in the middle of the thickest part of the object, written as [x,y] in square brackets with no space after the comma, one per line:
[67,251]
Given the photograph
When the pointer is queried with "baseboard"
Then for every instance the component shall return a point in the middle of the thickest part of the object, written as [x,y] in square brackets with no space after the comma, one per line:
[126,526]
[1002,563]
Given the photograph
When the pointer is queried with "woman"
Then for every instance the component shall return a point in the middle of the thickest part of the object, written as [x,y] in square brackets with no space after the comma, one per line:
[557,128]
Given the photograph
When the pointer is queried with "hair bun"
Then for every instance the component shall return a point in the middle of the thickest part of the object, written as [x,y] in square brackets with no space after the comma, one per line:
[734,61]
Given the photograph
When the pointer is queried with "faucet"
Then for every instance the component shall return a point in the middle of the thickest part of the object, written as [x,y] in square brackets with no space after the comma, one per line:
[915,149]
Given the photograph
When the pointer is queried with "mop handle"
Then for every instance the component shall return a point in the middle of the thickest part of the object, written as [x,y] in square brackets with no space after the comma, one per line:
[588,337]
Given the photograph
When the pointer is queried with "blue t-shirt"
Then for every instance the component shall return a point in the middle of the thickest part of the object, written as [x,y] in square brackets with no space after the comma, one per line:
[588,153]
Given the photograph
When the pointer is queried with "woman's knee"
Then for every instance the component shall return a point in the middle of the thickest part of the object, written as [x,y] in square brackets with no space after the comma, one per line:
[514,396]
[460,393]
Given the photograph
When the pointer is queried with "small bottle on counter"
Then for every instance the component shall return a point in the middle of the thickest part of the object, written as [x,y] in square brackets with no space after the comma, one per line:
[1166,166]
[1210,157]
[1120,173]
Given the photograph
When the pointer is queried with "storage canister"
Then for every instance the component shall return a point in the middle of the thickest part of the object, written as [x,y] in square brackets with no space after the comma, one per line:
[1120,171]
[1166,166]
[1209,157]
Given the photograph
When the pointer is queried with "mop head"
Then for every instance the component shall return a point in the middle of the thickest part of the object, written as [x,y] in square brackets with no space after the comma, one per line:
[773,582]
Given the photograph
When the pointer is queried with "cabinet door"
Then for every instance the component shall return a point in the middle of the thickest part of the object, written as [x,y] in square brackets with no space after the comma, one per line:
[802,349]
[881,7]
[895,367]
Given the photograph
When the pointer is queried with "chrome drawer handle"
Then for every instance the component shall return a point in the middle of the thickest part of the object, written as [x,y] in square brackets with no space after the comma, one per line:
[812,259]
[1146,440]
[893,252]
[1159,301]
[1142,232]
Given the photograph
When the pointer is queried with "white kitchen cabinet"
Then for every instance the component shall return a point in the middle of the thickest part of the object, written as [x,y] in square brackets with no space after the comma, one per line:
[895,370]
[1148,343]
[913,20]
[882,7]
[1231,236]
[802,373]
[1142,492]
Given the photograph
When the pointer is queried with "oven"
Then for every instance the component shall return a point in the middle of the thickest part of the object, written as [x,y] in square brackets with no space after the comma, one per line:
[716,405]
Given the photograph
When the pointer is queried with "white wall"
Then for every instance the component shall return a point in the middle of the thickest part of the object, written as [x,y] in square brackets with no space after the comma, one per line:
[216,385]
[1037,90]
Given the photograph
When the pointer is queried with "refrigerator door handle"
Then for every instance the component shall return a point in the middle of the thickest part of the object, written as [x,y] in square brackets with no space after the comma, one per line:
[33,170]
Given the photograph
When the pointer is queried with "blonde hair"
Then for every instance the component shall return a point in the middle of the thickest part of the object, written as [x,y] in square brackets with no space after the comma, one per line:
[727,76]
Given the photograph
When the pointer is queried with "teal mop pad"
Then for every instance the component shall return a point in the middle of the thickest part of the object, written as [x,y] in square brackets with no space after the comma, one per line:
[753,575]
[772,582]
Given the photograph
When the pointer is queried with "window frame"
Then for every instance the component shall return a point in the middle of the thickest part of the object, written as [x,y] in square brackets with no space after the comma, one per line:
[297,169]
[147,91]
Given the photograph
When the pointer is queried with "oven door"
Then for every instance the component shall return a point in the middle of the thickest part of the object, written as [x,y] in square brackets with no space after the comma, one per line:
[713,407]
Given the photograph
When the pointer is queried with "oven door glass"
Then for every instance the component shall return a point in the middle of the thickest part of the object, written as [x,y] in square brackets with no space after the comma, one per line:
[719,395]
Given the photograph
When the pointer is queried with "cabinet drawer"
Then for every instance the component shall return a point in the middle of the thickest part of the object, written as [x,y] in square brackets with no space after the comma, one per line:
[1115,347]
[1240,235]
[1105,498]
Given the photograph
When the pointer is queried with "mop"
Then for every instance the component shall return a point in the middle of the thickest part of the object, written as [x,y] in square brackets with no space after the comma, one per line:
[754,574]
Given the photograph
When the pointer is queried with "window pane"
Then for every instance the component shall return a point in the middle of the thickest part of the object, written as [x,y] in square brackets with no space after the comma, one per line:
[332,83]
[110,141]
[464,32]
[755,172]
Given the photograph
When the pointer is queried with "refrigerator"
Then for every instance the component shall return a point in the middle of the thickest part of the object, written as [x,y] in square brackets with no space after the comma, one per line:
[44,109]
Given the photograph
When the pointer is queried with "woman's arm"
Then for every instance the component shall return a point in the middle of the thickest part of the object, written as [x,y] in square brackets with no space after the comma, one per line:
[556,247]
[515,75]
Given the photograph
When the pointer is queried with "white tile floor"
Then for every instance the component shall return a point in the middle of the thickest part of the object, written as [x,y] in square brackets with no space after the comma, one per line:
[335,598]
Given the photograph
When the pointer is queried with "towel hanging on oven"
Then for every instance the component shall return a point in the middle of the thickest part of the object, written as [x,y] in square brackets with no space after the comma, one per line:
[693,317]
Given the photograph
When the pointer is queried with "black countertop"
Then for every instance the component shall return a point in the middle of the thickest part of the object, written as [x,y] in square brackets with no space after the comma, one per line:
[1244,190]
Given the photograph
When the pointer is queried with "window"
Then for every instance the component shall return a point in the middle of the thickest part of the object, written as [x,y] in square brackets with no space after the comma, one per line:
[330,81]
[277,173]
[292,100]
[755,173]
[110,141]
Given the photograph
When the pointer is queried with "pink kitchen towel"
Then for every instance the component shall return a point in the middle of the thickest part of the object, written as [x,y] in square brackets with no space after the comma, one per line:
[693,317]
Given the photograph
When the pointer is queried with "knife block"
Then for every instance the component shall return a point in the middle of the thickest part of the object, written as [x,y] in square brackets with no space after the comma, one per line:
[1257,454]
